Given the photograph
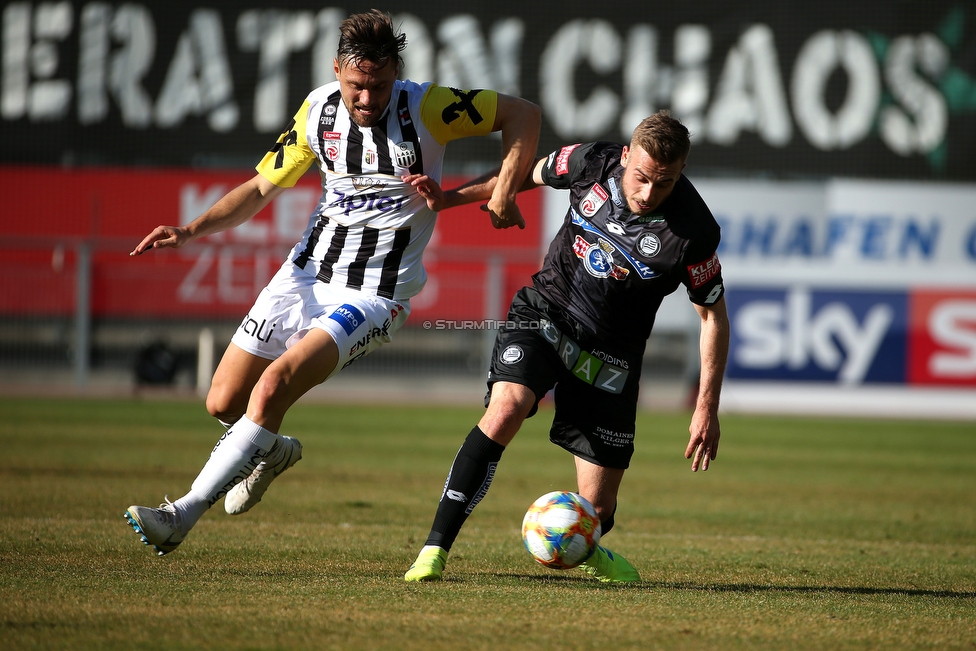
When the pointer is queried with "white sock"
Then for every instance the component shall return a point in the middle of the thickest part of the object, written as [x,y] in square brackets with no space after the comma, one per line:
[233,458]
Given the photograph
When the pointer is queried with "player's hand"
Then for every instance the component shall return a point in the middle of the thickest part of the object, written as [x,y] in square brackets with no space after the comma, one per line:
[505,215]
[162,237]
[429,189]
[703,445]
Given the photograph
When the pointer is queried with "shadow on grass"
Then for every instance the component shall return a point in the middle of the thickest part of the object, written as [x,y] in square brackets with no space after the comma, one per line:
[744,588]
[826,589]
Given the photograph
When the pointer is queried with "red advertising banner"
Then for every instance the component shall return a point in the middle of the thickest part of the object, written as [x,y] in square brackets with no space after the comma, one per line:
[54,215]
[942,337]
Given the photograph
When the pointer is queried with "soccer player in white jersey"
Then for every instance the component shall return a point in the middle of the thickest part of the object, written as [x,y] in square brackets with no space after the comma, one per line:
[345,288]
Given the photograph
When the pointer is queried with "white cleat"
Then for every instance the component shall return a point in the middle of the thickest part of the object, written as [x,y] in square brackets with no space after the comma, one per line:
[285,454]
[162,528]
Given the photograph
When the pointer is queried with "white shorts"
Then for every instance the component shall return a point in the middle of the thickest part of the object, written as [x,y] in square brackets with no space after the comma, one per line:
[294,302]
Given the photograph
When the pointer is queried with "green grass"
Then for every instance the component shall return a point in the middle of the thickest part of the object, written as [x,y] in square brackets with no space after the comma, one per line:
[804,534]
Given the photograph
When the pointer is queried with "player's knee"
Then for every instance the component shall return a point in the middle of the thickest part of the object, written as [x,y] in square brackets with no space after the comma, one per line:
[223,406]
[269,395]
[503,419]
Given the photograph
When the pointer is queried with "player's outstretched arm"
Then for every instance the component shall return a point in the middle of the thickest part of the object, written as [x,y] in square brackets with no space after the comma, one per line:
[233,209]
[519,121]
[475,190]
[714,344]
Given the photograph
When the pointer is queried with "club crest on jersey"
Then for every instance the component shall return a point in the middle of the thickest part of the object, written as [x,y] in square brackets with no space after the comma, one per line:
[598,258]
[327,121]
[512,355]
[370,157]
[405,154]
[593,200]
[649,244]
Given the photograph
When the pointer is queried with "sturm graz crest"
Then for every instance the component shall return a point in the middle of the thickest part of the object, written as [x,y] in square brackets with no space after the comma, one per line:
[512,355]
[649,244]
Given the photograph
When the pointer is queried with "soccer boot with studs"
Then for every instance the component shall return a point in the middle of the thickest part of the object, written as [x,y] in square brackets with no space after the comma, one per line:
[609,567]
[162,528]
[429,565]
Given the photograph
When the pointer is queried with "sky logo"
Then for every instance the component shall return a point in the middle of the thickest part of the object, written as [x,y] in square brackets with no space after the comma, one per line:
[847,337]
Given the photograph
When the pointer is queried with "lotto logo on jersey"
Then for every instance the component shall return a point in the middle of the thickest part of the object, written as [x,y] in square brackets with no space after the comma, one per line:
[593,200]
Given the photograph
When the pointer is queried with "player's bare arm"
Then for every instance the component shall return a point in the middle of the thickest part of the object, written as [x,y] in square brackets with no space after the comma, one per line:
[519,121]
[478,189]
[714,344]
[233,209]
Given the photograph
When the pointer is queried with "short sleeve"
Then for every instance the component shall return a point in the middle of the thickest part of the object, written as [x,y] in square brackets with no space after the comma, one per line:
[450,114]
[703,275]
[290,157]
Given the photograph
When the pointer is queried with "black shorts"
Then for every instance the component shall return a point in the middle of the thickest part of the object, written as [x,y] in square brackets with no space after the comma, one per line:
[595,387]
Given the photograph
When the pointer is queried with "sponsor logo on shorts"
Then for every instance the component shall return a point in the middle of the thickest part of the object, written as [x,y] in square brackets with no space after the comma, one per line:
[261,331]
[613,438]
[512,355]
[375,333]
[596,368]
[349,317]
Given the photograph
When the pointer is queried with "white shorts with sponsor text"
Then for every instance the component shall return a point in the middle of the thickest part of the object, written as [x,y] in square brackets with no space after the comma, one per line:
[294,302]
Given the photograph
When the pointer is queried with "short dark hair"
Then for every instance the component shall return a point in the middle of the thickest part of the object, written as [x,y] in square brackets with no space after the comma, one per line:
[370,37]
[663,137]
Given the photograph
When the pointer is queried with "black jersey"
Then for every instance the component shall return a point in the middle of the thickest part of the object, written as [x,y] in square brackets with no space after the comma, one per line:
[610,269]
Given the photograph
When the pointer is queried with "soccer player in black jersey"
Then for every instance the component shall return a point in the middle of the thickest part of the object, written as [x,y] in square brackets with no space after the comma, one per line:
[635,230]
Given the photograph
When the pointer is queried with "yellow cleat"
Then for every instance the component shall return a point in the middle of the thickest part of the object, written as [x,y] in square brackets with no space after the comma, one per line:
[609,567]
[429,565]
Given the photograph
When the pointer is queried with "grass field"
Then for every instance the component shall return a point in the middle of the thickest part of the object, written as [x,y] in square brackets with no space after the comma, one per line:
[804,534]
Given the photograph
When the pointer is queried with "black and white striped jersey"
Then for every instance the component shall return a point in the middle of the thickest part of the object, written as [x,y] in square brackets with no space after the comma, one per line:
[369,229]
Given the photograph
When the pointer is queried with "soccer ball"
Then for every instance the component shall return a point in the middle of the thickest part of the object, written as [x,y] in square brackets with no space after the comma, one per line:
[561,530]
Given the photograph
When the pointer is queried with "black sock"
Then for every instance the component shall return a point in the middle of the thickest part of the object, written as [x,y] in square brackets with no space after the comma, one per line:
[607,524]
[469,479]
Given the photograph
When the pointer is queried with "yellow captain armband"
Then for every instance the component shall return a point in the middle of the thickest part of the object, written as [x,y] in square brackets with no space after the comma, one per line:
[290,157]
[449,113]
